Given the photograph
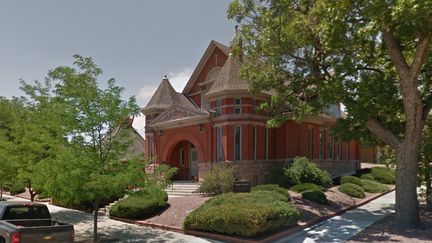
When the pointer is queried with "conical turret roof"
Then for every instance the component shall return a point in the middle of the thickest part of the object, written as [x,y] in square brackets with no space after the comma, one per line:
[164,97]
[229,79]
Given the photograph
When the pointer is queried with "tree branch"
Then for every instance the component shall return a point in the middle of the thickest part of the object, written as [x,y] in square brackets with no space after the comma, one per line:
[420,55]
[383,133]
[396,55]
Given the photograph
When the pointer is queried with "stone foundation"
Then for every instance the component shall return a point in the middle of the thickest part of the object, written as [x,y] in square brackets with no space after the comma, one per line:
[259,172]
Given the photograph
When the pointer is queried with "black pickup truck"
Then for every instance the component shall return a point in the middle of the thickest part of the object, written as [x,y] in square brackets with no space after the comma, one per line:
[25,222]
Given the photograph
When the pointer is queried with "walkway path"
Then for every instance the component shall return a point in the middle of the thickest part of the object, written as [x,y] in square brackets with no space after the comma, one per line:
[112,230]
[343,227]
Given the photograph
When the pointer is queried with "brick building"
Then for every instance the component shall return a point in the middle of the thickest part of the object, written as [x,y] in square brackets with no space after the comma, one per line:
[215,120]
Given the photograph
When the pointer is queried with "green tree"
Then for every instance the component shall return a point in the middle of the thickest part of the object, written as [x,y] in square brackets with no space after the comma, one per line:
[373,56]
[89,167]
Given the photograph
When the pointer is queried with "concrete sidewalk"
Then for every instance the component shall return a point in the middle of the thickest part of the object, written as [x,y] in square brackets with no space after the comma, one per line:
[343,227]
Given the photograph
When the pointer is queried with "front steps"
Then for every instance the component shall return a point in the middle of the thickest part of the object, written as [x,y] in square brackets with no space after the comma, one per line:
[182,188]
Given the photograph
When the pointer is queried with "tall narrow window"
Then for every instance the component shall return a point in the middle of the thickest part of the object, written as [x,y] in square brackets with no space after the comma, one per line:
[348,151]
[237,108]
[151,146]
[218,107]
[310,143]
[331,148]
[219,143]
[181,156]
[340,150]
[321,145]
[255,106]
[266,143]
[237,143]
[255,142]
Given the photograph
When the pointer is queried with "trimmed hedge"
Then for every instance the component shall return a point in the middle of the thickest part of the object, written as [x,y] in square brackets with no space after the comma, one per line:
[304,171]
[384,175]
[350,179]
[315,196]
[243,214]
[305,187]
[367,176]
[273,188]
[352,190]
[219,180]
[140,204]
[373,186]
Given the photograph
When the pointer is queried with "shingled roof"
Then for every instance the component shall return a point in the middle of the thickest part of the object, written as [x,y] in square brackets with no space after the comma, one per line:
[166,96]
[229,79]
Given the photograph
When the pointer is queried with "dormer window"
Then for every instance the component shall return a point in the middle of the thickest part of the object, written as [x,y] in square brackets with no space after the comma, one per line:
[237,108]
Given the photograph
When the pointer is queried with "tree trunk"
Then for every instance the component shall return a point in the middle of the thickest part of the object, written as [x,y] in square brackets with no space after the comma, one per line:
[1,190]
[407,206]
[428,186]
[95,220]
[32,194]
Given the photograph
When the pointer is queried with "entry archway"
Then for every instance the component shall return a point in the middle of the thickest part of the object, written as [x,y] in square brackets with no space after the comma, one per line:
[185,152]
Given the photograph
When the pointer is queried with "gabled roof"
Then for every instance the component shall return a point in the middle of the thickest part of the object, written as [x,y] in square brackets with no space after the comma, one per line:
[213,44]
[229,79]
[177,112]
[164,97]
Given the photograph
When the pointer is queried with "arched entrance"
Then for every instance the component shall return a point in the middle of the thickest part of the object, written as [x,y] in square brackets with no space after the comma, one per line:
[185,157]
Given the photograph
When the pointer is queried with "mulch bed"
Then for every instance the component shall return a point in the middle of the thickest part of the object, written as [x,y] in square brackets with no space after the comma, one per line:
[385,230]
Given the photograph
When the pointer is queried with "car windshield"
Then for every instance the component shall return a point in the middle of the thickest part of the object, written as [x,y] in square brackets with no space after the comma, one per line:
[26,212]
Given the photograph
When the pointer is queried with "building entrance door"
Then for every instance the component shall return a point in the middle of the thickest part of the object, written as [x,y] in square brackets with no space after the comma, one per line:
[193,168]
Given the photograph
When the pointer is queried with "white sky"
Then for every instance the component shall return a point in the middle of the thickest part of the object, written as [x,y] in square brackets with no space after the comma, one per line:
[136,42]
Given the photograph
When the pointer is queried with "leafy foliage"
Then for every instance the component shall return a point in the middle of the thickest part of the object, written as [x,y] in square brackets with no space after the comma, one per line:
[315,196]
[306,187]
[367,176]
[351,179]
[373,186]
[243,214]
[352,190]
[140,204]
[384,175]
[304,171]
[273,188]
[219,180]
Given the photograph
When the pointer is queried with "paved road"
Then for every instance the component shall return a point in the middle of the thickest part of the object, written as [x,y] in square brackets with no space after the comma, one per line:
[343,227]
[114,231]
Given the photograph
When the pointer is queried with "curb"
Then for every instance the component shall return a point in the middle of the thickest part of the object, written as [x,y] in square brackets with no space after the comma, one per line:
[275,236]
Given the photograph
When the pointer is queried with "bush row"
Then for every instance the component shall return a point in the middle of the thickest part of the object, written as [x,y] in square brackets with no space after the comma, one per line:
[244,214]
[140,204]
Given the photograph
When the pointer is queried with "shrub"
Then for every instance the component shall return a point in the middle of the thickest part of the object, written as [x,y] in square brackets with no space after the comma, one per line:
[367,176]
[362,171]
[352,190]
[315,196]
[140,204]
[273,188]
[243,214]
[304,171]
[305,187]
[17,188]
[278,177]
[384,175]
[219,180]
[373,186]
[350,179]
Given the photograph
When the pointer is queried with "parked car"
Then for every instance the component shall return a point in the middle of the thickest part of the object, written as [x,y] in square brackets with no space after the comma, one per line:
[25,222]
